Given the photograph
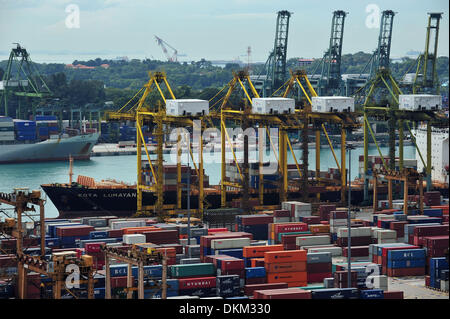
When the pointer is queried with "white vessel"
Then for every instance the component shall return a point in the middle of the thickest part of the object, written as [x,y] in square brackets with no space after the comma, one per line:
[439,152]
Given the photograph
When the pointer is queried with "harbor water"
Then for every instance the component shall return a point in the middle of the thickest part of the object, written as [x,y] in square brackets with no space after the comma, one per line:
[123,168]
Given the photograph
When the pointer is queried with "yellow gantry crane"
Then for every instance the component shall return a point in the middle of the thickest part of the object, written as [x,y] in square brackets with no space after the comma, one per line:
[141,112]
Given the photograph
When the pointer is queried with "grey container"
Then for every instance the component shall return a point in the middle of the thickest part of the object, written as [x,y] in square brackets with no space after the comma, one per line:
[97,222]
[259,243]
[192,251]
[186,261]
[315,258]
[184,242]
[179,257]
[328,282]
[444,285]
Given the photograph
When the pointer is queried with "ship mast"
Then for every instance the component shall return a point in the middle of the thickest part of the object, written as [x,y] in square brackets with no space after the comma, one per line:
[70,169]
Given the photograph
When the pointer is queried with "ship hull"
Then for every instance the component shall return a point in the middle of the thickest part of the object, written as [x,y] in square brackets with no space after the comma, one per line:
[75,202]
[77,147]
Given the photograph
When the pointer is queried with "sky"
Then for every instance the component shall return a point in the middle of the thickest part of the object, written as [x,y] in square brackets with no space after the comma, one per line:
[210,29]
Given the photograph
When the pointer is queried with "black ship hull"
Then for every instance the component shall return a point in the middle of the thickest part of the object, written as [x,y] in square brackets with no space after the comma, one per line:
[75,202]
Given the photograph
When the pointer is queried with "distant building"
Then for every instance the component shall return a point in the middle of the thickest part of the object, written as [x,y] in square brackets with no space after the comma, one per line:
[303,62]
[122,58]
[104,65]
[79,66]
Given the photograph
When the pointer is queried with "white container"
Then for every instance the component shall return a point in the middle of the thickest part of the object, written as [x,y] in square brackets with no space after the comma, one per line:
[386,234]
[335,251]
[230,243]
[338,222]
[327,104]
[133,239]
[127,224]
[363,231]
[419,102]
[273,105]
[387,241]
[187,107]
[312,240]
[281,219]
[444,285]
[379,282]
[342,232]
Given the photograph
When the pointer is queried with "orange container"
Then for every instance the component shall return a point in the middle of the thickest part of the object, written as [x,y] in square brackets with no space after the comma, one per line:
[253,261]
[296,276]
[183,236]
[169,251]
[285,267]
[319,228]
[139,230]
[258,251]
[297,284]
[284,256]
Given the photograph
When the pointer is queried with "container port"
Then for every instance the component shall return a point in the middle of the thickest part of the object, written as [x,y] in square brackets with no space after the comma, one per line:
[276,225]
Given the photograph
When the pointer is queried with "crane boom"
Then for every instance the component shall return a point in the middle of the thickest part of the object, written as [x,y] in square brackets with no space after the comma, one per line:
[163,45]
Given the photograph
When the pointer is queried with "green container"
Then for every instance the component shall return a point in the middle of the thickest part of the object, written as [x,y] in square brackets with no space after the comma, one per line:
[191,270]
[294,233]
[312,287]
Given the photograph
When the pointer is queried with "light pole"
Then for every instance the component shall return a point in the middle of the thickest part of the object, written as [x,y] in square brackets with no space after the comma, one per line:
[349,147]
[189,192]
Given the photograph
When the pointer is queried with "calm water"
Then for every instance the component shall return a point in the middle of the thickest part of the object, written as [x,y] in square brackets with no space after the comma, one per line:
[123,168]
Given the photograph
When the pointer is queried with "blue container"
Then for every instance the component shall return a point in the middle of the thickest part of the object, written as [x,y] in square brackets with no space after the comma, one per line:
[235,252]
[436,266]
[228,281]
[43,118]
[255,272]
[154,271]
[52,227]
[371,294]
[98,234]
[335,293]
[83,243]
[259,232]
[119,270]
[52,242]
[71,240]
[229,291]
[151,294]
[406,254]
[99,293]
[433,212]
[380,247]
[409,263]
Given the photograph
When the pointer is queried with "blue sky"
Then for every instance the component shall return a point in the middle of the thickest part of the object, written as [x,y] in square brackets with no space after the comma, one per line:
[210,29]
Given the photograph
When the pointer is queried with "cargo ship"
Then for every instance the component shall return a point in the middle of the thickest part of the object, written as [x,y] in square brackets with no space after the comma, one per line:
[35,141]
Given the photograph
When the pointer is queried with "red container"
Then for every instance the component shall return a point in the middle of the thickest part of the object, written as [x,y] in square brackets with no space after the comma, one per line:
[342,275]
[399,227]
[205,241]
[318,277]
[256,220]
[232,264]
[161,237]
[70,231]
[197,283]
[93,247]
[338,214]
[281,213]
[311,220]
[427,281]
[286,293]
[239,272]
[120,282]
[393,294]
[255,281]
[116,233]
[318,268]
[436,242]
[357,241]
[217,230]
[291,227]
[178,248]
[434,230]
[404,272]
[290,247]
[324,222]
[356,251]
[249,289]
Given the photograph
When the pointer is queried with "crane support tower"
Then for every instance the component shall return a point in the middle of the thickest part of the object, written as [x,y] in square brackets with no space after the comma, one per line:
[383,52]
[330,82]
[21,80]
[426,67]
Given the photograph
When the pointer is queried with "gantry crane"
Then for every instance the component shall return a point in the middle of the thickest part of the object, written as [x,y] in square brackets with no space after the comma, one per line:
[330,81]
[381,102]
[163,44]
[426,66]
[347,121]
[21,80]
[275,66]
